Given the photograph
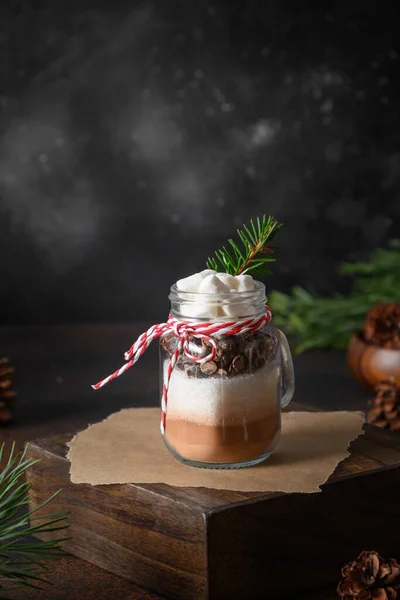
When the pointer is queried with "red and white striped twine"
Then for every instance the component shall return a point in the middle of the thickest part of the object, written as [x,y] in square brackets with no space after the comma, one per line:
[183,330]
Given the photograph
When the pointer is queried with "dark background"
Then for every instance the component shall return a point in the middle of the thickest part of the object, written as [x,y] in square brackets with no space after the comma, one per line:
[136,136]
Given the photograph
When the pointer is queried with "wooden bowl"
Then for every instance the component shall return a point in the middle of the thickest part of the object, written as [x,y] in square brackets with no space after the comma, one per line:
[372,364]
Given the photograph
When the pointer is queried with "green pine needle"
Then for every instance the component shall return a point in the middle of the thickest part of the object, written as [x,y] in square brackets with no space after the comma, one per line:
[254,252]
[23,563]
[322,322]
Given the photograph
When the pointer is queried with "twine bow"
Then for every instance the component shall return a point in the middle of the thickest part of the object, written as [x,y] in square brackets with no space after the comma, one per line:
[184,330]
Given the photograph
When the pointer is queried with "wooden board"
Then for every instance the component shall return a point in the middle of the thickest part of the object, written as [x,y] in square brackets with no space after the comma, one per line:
[194,544]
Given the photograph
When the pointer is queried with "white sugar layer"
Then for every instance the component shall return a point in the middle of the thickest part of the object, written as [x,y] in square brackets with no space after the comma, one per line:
[216,400]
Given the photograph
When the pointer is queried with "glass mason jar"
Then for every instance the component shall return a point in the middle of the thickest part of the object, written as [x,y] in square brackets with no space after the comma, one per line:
[226,413]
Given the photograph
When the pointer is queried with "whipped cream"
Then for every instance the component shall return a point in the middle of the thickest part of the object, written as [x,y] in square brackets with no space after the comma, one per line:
[216,295]
[211,282]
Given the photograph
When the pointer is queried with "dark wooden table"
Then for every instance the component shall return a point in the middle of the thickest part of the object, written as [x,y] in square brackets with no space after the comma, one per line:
[54,369]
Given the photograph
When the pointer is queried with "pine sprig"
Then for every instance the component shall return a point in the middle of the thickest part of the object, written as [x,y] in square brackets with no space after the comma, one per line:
[23,561]
[253,254]
[327,322]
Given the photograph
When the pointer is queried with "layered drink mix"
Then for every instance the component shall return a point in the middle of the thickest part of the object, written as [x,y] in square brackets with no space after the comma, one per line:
[225,410]
[223,366]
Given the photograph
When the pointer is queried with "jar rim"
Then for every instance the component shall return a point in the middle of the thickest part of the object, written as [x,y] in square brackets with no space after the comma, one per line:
[222,306]
[176,294]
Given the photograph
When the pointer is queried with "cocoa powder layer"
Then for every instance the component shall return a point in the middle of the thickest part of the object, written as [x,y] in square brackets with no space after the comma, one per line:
[219,444]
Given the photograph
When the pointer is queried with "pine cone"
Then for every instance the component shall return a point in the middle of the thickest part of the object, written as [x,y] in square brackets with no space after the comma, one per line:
[7,395]
[384,409]
[370,577]
[382,325]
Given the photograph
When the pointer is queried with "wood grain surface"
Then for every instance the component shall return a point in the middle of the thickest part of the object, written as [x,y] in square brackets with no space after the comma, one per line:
[197,543]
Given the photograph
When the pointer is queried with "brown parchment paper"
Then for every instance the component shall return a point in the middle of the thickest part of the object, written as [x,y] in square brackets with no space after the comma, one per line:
[127,447]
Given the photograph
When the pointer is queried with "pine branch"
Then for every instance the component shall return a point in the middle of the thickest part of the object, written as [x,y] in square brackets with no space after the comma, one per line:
[254,252]
[23,563]
[328,322]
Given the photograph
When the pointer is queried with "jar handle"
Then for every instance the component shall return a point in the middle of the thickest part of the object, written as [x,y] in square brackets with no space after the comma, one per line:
[287,381]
